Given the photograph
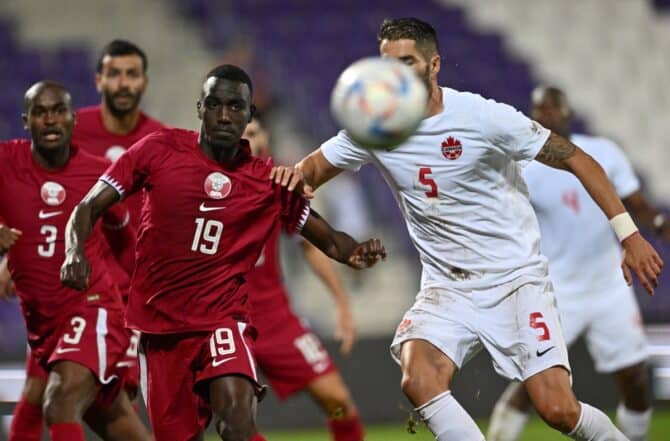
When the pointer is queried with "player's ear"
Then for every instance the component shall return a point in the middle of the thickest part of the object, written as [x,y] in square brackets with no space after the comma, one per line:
[98,82]
[435,64]
[24,117]
[198,106]
[252,112]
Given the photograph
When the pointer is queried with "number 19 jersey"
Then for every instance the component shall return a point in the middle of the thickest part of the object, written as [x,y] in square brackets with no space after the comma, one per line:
[203,226]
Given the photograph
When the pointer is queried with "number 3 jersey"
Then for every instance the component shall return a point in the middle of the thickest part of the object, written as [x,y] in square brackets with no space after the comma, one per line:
[458,184]
[203,226]
[38,202]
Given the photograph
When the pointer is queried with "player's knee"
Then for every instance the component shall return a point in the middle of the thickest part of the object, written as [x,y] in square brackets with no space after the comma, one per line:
[562,416]
[421,382]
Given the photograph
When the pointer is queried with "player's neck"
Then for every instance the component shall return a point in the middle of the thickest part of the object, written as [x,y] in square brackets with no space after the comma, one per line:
[51,159]
[221,155]
[120,125]
[435,104]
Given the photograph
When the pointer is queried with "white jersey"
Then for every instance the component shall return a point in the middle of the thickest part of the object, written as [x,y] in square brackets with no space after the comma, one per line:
[458,183]
[584,253]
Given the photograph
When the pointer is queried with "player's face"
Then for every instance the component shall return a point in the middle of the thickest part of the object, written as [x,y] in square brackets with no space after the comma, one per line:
[257,137]
[406,51]
[225,110]
[121,82]
[50,119]
[553,112]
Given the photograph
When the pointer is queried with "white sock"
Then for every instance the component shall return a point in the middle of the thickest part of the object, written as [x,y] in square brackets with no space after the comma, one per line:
[593,425]
[507,423]
[633,424]
[448,420]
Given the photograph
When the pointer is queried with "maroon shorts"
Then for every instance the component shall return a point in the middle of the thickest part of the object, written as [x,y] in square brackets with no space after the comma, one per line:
[93,337]
[288,353]
[176,363]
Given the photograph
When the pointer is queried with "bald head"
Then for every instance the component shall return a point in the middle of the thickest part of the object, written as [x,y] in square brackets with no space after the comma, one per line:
[36,89]
[550,107]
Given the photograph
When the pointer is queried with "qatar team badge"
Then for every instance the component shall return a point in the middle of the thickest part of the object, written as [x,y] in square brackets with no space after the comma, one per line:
[452,148]
[52,193]
[217,185]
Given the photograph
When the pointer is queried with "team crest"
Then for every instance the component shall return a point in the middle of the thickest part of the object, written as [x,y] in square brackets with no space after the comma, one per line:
[114,152]
[217,185]
[452,148]
[52,193]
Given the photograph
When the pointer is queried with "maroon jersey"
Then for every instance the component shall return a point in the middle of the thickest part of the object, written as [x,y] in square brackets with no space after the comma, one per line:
[39,202]
[203,227]
[266,288]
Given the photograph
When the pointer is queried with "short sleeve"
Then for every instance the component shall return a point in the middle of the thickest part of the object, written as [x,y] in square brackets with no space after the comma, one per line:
[129,173]
[342,152]
[294,210]
[621,173]
[511,131]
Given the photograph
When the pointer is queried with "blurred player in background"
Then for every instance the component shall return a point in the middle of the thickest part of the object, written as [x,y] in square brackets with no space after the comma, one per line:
[288,353]
[107,130]
[484,282]
[594,300]
[208,212]
[78,338]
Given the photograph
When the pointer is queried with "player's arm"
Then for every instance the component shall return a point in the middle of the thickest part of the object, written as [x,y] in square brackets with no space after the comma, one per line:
[345,329]
[76,269]
[340,246]
[313,171]
[6,284]
[647,215]
[639,255]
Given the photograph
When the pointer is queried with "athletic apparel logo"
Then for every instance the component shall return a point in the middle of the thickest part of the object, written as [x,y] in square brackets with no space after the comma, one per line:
[403,326]
[541,353]
[217,185]
[452,148]
[47,214]
[205,208]
[52,193]
[216,362]
[65,350]
[114,152]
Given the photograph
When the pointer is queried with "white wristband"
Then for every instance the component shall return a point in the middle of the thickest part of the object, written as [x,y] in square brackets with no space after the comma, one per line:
[623,225]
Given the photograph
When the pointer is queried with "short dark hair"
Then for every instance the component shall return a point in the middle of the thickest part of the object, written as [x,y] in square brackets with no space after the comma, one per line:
[412,29]
[232,73]
[118,48]
[38,87]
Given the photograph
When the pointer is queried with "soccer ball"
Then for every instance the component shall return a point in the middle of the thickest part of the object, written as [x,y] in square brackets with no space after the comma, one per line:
[379,102]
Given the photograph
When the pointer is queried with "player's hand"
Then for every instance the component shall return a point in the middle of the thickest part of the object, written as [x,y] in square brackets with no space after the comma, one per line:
[367,254]
[345,329]
[291,178]
[8,237]
[6,284]
[641,258]
[75,271]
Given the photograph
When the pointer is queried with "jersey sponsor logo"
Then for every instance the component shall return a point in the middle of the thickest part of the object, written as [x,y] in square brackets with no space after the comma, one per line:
[216,362]
[65,350]
[114,152]
[217,185]
[204,208]
[47,214]
[541,353]
[52,193]
[452,148]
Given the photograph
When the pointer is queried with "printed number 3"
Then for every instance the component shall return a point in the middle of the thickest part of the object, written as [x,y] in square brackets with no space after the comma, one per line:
[426,179]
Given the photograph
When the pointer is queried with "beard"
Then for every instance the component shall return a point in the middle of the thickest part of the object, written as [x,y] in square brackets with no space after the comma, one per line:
[117,111]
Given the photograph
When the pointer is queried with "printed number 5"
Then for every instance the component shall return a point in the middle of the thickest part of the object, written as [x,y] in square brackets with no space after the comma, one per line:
[537,322]
[426,179]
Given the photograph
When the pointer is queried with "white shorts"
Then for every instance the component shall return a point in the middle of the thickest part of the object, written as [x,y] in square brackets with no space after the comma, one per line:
[611,324]
[522,333]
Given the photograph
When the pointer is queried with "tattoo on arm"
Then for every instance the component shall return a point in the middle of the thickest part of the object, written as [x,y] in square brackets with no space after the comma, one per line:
[555,151]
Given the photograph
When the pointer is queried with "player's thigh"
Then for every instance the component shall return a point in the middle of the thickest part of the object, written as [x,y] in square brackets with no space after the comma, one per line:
[290,355]
[616,337]
[233,397]
[522,333]
[436,333]
[551,393]
[71,383]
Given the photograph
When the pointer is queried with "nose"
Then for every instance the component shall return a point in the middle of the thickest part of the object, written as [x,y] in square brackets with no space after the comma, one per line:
[224,115]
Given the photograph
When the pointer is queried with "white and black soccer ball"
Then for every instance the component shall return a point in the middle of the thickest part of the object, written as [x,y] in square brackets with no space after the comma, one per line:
[379,102]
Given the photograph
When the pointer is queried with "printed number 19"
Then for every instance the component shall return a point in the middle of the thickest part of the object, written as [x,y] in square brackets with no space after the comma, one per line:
[426,179]
[207,236]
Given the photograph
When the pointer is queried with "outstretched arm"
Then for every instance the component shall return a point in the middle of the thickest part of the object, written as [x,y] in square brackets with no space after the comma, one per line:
[340,246]
[639,255]
[345,329]
[76,269]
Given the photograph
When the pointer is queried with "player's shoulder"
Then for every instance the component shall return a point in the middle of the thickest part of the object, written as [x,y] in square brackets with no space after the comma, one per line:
[14,148]
[150,124]
[595,144]
[170,137]
[90,160]
[88,114]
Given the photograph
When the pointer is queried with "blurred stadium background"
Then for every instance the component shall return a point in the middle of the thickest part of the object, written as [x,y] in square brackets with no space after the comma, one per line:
[612,57]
